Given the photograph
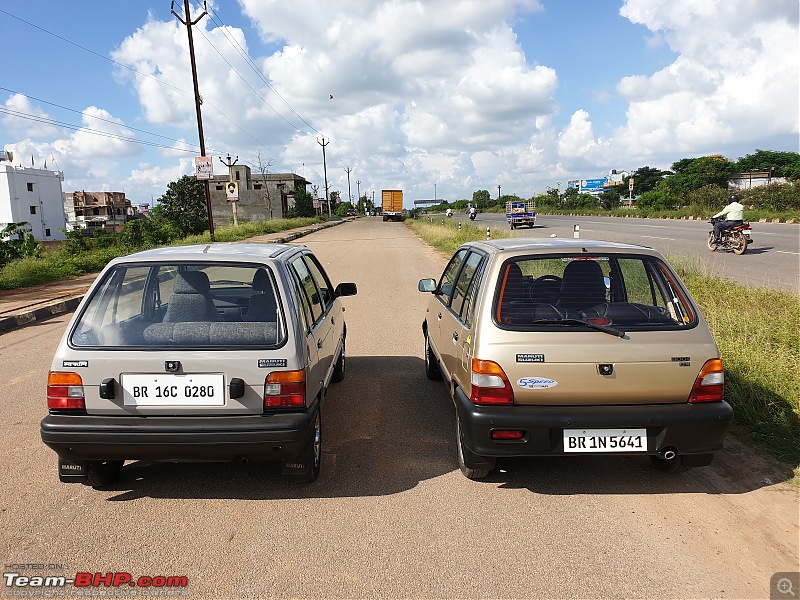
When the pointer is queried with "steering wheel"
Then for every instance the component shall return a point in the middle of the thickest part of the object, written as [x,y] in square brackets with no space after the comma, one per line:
[546,285]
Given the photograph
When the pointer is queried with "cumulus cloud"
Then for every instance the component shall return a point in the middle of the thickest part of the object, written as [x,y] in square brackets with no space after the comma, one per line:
[736,69]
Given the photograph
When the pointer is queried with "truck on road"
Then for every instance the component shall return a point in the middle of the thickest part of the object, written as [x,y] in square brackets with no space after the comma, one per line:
[392,205]
[521,213]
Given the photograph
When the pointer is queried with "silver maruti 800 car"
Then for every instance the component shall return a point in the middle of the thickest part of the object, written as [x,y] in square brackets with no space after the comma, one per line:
[214,352]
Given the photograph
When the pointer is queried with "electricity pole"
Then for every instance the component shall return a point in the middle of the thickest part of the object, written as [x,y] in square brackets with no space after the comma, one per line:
[230,164]
[323,143]
[348,170]
[358,187]
[498,193]
[197,100]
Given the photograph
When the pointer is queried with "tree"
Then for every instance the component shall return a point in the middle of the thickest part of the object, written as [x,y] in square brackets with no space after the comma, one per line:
[481,198]
[609,199]
[265,194]
[645,179]
[17,241]
[694,173]
[303,205]
[785,164]
[184,206]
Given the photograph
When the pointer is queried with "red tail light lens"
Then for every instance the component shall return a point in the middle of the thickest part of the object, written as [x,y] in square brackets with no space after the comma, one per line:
[490,384]
[285,389]
[710,383]
[507,434]
[65,391]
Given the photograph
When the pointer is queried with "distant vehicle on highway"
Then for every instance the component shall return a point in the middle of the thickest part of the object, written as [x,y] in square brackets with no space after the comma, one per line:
[565,347]
[218,352]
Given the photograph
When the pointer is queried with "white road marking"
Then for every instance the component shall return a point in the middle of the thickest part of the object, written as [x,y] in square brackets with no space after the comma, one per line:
[652,237]
[785,252]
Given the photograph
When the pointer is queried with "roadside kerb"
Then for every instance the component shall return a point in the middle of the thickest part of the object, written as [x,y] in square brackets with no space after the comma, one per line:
[46,309]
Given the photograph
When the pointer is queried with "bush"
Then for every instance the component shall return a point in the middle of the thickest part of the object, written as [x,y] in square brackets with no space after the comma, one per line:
[17,241]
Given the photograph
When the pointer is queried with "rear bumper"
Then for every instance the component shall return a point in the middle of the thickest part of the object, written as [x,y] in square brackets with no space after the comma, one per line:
[258,437]
[686,428]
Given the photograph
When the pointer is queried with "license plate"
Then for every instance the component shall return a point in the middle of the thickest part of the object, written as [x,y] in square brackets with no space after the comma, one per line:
[605,440]
[173,390]
[746,233]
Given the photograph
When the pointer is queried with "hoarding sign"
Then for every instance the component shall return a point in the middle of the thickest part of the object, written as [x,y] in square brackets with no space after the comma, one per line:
[591,185]
[204,167]
[232,191]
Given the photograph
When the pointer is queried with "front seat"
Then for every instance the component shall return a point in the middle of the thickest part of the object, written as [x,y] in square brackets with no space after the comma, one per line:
[583,285]
[191,299]
[514,305]
[262,305]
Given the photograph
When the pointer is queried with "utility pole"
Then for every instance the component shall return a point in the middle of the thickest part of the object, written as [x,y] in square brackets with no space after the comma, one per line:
[498,193]
[348,170]
[230,164]
[323,143]
[358,187]
[197,100]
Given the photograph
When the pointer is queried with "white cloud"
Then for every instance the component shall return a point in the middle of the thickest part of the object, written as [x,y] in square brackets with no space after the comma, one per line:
[26,119]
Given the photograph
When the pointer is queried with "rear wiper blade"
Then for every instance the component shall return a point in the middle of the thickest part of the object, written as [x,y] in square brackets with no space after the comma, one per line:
[579,323]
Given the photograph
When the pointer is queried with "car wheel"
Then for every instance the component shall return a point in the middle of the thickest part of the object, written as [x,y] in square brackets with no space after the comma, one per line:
[463,453]
[311,456]
[740,243]
[102,473]
[669,465]
[431,366]
[712,244]
[339,368]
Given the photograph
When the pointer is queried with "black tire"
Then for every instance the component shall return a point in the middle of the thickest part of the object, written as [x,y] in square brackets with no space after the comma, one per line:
[712,244]
[669,465]
[102,473]
[463,452]
[339,368]
[432,371]
[312,455]
[740,243]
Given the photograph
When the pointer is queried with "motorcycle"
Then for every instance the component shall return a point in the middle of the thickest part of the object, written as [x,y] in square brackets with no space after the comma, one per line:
[472,216]
[734,238]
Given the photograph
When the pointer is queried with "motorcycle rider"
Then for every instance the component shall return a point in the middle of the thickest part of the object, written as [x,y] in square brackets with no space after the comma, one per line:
[734,213]
[472,212]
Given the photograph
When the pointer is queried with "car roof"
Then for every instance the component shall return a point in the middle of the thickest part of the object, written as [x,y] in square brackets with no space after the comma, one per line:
[233,251]
[546,245]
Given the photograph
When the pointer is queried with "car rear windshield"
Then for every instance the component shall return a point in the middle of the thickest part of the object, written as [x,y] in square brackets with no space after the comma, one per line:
[189,305]
[634,292]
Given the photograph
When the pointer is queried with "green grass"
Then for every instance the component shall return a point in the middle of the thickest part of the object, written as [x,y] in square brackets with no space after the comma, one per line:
[58,264]
[756,331]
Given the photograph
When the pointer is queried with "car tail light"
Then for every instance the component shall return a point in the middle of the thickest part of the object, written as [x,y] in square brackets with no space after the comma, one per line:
[710,383]
[490,384]
[507,434]
[285,389]
[65,391]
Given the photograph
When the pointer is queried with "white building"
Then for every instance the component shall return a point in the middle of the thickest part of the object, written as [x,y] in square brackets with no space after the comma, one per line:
[33,196]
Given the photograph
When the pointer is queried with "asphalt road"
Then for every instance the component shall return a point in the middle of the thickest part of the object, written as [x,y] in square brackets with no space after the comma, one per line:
[390,516]
[771,261]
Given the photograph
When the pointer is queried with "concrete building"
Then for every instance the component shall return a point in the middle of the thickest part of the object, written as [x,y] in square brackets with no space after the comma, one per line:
[97,210]
[746,181]
[33,196]
[261,197]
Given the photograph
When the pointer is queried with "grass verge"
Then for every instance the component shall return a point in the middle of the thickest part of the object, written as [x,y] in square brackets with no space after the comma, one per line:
[58,264]
[756,331]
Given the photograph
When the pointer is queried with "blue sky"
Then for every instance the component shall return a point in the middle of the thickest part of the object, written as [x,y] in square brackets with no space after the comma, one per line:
[461,94]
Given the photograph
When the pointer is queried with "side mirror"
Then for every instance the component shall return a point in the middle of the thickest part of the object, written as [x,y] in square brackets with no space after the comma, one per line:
[345,289]
[426,285]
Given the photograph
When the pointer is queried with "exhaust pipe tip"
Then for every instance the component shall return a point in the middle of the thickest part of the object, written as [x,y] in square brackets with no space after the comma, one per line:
[667,453]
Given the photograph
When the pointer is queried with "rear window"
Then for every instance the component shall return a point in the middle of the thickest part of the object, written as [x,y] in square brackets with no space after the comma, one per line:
[220,305]
[627,291]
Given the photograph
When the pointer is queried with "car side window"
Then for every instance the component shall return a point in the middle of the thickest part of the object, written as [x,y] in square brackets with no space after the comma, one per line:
[304,309]
[464,279]
[468,312]
[446,283]
[321,279]
[309,289]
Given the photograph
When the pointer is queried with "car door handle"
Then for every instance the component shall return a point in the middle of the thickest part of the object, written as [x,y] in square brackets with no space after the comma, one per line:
[319,344]
[333,321]
[455,336]
[440,316]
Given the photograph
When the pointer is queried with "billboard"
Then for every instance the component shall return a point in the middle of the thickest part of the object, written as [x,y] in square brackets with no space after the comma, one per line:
[592,185]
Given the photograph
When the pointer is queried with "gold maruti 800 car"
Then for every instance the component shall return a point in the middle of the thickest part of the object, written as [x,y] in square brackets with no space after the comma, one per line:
[568,347]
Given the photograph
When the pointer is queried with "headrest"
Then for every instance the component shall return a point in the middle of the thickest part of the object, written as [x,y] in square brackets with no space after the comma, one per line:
[191,282]
[261,280]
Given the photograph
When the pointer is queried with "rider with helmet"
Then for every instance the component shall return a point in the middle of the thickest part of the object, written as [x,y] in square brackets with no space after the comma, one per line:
[733,213]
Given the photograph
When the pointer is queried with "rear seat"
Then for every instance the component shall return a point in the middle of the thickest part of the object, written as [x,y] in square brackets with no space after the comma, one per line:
[217,333]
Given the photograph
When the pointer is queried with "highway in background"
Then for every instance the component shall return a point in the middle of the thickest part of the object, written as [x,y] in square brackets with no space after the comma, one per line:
[771,261]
